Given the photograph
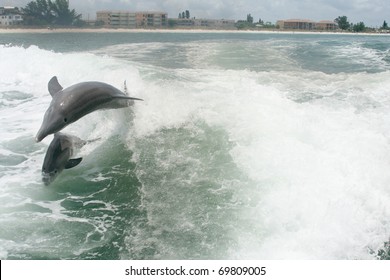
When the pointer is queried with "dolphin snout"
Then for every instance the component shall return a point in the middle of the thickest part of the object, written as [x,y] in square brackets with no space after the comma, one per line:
[40,135]
[48,177]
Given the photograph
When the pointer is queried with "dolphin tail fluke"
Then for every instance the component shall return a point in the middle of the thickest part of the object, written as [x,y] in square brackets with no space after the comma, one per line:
[72,163]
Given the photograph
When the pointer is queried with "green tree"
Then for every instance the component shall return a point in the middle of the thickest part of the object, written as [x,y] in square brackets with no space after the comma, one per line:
[38,12]
[187,14]
[44,12]
[63,15]
[342,22]
[359,27]
[385,26]
[99,23]
[172,22]
[249,18]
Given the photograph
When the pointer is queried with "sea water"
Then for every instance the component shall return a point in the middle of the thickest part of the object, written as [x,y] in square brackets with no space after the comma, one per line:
[246,146]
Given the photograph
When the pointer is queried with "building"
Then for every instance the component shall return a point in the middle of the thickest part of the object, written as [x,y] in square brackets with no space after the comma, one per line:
[206,23]
[306,24]
[296,24]
[327,25]
[10,16]
[126,19]
[216,23]
[184,22]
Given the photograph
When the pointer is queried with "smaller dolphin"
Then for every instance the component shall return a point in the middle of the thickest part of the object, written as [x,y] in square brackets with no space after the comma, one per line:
[58,156]
[72,103]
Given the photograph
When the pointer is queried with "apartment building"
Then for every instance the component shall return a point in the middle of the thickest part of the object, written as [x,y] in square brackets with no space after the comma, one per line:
[206,23]
[215,23]
[9,16]
[306,24]
[126,19]
[326,25]
[300,24]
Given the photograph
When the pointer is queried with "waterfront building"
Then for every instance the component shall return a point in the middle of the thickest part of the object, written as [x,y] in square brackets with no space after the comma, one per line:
[10,16]
[327,25]
[184,22]
[306,24]
[296,24]
[128,19]
[206,23]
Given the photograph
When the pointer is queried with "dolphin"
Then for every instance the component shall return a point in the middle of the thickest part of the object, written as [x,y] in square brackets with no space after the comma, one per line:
[72,103]
[58,156]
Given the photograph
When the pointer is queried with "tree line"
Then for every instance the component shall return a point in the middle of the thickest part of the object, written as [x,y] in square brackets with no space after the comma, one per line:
[250,23]
[344,24]
[57,12]
[48,12]
[341,21]
[184,15]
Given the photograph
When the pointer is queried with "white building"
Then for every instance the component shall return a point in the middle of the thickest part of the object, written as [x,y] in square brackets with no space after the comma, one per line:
[9,16]
[206,23]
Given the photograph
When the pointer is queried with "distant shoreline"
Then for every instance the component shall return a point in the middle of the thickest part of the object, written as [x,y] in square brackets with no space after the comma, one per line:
[184,30]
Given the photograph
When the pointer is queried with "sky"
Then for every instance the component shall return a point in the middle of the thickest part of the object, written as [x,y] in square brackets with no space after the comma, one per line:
[371,12]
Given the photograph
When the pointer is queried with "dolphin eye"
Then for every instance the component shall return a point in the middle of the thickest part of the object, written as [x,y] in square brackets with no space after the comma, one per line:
[65,119]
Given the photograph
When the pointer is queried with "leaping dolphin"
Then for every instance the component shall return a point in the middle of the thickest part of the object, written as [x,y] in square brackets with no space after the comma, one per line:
[58,156]
[70,104]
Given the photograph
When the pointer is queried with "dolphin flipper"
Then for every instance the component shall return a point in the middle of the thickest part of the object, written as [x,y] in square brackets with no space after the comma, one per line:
[54,86]
[93,140]
[72,163]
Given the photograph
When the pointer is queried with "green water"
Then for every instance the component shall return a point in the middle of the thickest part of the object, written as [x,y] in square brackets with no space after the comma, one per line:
[246,146]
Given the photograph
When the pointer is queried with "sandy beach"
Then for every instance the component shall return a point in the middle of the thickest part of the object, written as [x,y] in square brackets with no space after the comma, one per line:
[125,30]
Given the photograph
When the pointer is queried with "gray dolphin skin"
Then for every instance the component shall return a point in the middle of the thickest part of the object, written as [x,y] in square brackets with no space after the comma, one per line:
[72,103]
[58,156]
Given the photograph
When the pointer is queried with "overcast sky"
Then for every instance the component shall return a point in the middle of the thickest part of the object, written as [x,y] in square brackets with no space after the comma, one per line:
[371,12]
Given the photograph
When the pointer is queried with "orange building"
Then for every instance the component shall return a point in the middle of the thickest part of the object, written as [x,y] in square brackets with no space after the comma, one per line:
[306,24]
[326,25]
[300,24]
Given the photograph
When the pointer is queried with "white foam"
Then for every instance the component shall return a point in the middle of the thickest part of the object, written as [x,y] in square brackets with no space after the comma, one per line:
[317,167]
[320,167]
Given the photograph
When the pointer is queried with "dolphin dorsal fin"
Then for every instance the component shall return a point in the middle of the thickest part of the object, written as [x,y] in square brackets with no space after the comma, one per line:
[54,86]
[72,163]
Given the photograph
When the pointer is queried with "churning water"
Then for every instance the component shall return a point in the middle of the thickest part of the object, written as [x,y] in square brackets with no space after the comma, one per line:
[246,146]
